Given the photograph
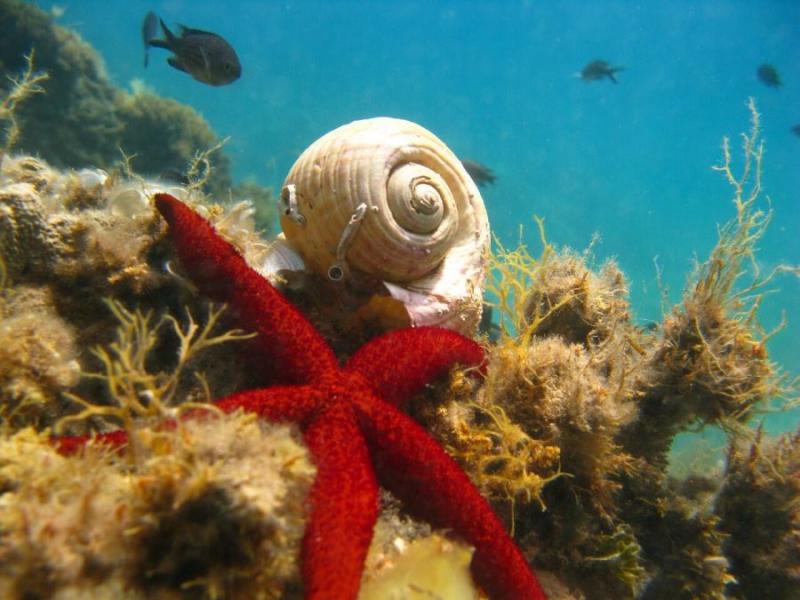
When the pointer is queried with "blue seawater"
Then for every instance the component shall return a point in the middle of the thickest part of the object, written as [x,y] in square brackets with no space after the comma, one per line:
[496,80]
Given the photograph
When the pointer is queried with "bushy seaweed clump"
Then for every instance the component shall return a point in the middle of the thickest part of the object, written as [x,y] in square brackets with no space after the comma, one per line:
[211,507]
[569,378]
[569,435]
[214,508]
[711,365]
[69,241]
[38,356]
[21,87]
[539,437]
[759,508]
[708,366]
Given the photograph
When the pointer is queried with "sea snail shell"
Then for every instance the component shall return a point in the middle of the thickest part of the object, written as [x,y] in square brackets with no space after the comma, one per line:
[384,199]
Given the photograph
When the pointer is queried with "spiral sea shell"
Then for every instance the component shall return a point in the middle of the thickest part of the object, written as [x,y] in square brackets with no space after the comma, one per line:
[385,200]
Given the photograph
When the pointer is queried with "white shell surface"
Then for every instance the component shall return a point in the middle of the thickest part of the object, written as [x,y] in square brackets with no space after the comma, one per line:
[421,225]
[280,256]
[420,202]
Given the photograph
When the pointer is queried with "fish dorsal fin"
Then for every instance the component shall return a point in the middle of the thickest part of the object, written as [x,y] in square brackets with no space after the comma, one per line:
[191,31]
[167,33]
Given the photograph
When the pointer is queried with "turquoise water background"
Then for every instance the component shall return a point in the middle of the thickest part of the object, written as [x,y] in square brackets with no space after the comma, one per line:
[496,81]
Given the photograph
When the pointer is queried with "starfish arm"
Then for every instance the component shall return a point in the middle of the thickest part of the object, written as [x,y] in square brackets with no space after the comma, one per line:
[288,403]
[413,466]
[298,353]
[67,445]
[293,403]
[398,364]
[344,507]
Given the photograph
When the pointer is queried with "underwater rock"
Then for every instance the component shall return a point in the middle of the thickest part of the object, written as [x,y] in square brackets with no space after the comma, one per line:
[70,241]
[74,123]
[82,119]
[215,506]
[759,509]
[78,233]
[38,356]
[685,535]
[164,135]
[568,436]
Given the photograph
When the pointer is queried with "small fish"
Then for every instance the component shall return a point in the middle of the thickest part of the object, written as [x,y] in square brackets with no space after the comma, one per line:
[769,76]
[205,56]
[174,176]
[488,327]
[481,174]
[598,69]
[796,130]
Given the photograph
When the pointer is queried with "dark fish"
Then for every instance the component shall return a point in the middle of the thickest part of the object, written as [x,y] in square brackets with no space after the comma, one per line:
[149,32]
[481,174]
[488,327]
[796,129]
[769,76]
[598,69]
[174,176]
[205,56]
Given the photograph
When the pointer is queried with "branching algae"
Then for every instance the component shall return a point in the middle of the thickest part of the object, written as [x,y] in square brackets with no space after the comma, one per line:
[570,433]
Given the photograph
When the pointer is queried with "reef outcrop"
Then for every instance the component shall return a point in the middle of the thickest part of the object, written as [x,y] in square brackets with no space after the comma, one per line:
[568,435]
[82,119]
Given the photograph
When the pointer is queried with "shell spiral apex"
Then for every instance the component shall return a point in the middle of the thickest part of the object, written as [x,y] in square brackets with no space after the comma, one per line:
[385,200]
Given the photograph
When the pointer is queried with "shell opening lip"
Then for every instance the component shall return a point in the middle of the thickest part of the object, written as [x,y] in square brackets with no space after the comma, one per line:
[289,204]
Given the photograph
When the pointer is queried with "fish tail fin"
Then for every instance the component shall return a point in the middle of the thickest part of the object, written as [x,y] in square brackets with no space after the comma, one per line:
[149,31]
[611,77]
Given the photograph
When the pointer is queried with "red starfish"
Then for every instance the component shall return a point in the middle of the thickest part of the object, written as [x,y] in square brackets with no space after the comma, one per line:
[351,423]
